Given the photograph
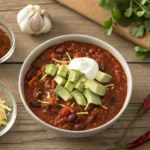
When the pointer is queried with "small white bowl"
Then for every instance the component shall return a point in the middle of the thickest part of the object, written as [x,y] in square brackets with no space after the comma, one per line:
[81,38]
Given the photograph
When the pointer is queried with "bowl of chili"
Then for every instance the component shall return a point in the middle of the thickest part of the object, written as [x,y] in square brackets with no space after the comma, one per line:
[58,119]
[7,42]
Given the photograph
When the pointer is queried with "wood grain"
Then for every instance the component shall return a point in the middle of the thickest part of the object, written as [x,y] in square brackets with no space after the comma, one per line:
[7,5]
[92,10]
[65,21]
[27,133]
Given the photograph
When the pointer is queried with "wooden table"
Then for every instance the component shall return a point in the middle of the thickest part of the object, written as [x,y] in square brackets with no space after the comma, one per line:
[26,133]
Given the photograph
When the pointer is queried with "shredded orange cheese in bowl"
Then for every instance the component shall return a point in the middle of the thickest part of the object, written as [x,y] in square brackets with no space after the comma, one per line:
[3,115]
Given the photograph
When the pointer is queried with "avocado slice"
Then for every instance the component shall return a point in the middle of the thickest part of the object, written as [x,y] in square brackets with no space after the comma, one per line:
[91,97]
[63,71]
[63,93]
[79,98]
[60,80]
[95,87]
[69,86]
[80,84]
[74,75]
[51,69]
[103,77]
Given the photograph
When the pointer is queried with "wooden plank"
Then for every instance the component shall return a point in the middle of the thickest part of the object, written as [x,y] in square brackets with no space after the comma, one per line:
[26,133]
[92,10]
[7,5]
[65,21]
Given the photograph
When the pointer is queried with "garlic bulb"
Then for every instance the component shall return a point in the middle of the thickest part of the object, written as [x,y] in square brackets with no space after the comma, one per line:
[34,20]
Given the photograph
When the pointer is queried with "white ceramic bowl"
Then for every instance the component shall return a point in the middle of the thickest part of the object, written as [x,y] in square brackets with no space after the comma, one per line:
[82,38]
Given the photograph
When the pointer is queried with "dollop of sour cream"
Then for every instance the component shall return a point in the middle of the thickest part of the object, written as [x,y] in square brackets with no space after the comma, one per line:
[86,65]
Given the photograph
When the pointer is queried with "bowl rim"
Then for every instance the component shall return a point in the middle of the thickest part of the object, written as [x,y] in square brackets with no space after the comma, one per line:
[71,36]
[13,41]
[14,115]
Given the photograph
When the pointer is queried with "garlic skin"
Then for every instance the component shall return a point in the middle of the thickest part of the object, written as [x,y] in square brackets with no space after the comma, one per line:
[34,20]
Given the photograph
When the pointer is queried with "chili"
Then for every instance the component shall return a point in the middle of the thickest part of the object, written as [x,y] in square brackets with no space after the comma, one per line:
[5,43]
[136,143]
[143,109]
[64,114]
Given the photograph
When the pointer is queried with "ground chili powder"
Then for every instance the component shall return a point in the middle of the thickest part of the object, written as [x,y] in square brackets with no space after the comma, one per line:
[5,43]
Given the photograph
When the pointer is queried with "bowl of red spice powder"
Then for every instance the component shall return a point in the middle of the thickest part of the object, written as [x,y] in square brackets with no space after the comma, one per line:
[7,42]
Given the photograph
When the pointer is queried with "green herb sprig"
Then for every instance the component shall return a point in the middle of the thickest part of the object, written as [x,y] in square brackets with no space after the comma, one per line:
[125,12]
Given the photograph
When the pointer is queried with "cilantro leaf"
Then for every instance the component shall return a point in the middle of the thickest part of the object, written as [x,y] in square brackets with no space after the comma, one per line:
[147,10]
[125,12]
[137,31]
[147,25]
[124,22]
[108,5]
[128,12]
[143,1]
[140,13]
[108,26]
[116,14]
[142,53]
[123,5]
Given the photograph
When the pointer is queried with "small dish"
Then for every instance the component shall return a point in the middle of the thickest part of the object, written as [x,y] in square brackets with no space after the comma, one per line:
[7,96]
[11,36]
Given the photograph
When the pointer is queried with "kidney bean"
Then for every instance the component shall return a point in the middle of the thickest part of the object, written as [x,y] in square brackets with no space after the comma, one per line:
[30,73]
[79,127]
[72,117]
[112,101]
[35,104]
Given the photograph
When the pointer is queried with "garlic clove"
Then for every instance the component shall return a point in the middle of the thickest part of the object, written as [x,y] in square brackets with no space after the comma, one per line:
[34,20]
[25,25]
[47,25]
[45,13]
[36,23]
[24,13]
[37,8]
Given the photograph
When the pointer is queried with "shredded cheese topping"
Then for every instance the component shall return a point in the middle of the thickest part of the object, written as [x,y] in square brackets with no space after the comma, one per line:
[72,105]
[3,116]
[59,61]
[68,56]
[82,113]
[62,105]
[43,102]
[48,95]
[44,77]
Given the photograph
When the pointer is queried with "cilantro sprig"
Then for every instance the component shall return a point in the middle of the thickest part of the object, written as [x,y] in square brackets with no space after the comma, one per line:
[125,12]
